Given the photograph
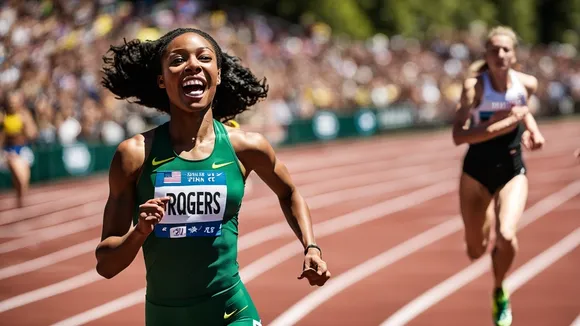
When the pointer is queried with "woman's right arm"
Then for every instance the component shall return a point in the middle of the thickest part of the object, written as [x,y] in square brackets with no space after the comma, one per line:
[120,241]
[483,131]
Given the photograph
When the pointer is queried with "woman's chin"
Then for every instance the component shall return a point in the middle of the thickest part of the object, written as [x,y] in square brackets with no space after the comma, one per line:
[196,102]
[194,107]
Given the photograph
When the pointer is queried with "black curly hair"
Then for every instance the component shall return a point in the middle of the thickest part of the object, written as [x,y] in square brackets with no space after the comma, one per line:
[131,70]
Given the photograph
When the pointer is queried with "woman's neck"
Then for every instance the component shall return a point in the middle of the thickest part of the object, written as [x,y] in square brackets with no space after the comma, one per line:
[500,80]
[188,130]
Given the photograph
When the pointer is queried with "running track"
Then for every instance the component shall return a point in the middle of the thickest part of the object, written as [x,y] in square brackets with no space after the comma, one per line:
[385,214]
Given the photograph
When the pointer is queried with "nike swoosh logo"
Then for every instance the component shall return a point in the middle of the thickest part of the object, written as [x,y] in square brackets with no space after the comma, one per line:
[217,166]
[155,162]
[226,315]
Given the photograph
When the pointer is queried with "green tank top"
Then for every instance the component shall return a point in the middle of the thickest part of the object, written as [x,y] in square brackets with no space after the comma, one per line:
[192,253]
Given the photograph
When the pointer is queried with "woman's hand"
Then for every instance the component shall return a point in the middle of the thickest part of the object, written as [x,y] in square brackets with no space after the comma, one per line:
[314,268]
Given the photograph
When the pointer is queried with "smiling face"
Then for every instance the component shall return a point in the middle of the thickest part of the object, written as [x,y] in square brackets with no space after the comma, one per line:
[190,72]
[500,54]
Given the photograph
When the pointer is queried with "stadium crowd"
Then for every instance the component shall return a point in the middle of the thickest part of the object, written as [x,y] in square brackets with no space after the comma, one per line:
[51,53]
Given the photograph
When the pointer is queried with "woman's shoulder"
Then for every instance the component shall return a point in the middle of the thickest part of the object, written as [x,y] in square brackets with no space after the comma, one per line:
[248,142]
[132,151]
[530,82]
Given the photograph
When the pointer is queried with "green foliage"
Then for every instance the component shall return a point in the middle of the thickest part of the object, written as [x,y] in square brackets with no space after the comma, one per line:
[344,16]
[520,15]
[534,20]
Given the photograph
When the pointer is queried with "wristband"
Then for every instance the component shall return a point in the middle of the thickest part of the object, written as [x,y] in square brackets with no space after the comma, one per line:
[312,246]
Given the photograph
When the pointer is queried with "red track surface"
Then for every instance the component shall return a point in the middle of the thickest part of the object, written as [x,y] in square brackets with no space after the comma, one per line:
[394,188]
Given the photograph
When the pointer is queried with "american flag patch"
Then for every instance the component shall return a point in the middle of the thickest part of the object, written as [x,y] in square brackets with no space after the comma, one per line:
[172,177]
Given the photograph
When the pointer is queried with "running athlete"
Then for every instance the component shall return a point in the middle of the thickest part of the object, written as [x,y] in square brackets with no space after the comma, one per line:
[493,185]
[17,130]
[176,190]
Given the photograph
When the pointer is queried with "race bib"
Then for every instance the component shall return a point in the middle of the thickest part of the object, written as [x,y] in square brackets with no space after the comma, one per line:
[197,203]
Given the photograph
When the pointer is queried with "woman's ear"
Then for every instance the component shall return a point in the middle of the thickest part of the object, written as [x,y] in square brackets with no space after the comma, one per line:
[160,81]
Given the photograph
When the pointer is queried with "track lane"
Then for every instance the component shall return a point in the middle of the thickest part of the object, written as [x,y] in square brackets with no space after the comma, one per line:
[403,279]
[272,213]
[475,298]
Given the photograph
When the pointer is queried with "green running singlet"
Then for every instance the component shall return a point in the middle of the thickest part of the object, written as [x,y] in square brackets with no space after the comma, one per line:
[191,256]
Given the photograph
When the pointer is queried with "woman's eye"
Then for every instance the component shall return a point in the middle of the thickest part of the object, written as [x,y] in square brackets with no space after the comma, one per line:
[177,60]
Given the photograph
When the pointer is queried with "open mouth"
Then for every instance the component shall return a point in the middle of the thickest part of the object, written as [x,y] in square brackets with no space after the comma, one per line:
[194,87]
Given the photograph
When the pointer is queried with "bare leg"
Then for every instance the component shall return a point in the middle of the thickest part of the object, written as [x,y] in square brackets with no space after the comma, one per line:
[477,212]
[511,201]
[20,176]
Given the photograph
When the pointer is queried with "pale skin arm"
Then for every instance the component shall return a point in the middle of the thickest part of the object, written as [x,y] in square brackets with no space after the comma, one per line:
[120,241]
[534,139]
[492,128]
[531,124]
[256,154]
[531,85]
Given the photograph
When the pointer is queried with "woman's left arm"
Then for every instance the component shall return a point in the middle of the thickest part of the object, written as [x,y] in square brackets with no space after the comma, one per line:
[257,154]
[533,139]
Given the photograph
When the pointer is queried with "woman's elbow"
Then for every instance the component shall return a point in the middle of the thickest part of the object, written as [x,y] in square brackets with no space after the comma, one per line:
[457,139]
[102,268]
[104,272]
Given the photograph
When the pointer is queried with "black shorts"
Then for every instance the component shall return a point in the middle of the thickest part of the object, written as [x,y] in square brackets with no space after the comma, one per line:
[493,171]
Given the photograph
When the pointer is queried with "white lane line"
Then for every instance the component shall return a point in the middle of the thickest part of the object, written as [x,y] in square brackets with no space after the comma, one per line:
[25,227]
[51,233]
[245,242]
[332,181]
[322,229]
[340,156]
[111,307]
[50,259]
[354,275]
[344,222]
[20,220]
[273,231]
[39,195]
[455,282]
[21,228]
[62,203]
[576,321]
[118,304]
[309,303]
[49,291]
[542,261]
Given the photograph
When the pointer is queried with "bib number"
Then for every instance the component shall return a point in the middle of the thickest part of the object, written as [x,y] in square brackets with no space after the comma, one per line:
[197,203]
